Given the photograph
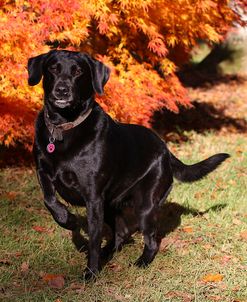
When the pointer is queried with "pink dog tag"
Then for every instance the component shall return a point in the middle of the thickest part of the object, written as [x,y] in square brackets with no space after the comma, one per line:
[50,148]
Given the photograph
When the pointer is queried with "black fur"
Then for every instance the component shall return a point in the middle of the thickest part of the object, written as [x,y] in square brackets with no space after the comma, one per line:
[189,173]
[109,167]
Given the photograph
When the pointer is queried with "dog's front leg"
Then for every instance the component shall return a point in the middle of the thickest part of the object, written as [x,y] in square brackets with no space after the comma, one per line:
[58,210]
[95,217]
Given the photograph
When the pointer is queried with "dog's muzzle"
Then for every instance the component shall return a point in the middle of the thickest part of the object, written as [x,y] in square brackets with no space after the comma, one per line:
[62,95]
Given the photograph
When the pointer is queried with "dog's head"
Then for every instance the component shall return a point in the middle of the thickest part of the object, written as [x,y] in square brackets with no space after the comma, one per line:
[69,77]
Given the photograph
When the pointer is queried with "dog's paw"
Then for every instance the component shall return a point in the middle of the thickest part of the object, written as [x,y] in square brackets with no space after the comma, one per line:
[141,262]
[90,275]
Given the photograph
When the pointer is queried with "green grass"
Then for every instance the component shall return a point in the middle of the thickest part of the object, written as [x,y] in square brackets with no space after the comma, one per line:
[207,218]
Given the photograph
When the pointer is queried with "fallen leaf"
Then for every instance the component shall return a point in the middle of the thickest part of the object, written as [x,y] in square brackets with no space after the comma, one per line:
[225,259]
[49,277]
[115,267]
[213,195]
[207,246]
[188,229]
[198,195]
[236,221]
[24,267]
[140,279]
[215,298]
[178,294]
[57,282]
[128,284]
[54,281]
[11,195]
[243,235]
[41,229]
[213,278]
[18,254]
[77,287]
[232,182]
[118,297]
[173,241]
[236,288]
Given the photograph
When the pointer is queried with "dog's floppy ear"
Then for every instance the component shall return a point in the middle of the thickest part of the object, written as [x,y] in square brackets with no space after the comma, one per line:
[35,69]
[100,74]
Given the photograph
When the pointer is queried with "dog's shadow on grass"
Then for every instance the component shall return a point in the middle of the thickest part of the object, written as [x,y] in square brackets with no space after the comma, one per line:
[169,219]
[171,212]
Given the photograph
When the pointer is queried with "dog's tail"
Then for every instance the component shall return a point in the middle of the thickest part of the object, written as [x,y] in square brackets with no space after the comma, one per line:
[189,173]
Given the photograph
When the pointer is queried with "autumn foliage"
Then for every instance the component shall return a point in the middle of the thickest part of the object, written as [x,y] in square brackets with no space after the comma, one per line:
[142,41]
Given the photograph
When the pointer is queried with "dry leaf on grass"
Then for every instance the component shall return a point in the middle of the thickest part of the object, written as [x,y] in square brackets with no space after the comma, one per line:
[243,235]
[173,241]
[54,281]
[207,246]
[115,267]
[10,195]
[187,229]
[57,282]
[225,259]
[41,229]
[236,221]
[77,287]
[213,278]
[186,297]
[18,254]
[118,297]
[199,195]
[215,298]
[24,267]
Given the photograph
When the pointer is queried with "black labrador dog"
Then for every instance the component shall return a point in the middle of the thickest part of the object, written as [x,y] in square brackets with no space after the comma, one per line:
[91,160]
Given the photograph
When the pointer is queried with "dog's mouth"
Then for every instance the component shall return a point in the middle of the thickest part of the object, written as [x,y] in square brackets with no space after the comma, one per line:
[62,103]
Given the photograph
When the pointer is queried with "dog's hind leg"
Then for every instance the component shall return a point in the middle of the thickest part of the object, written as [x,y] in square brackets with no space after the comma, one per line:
[159,184]
[119,231]
[151,240]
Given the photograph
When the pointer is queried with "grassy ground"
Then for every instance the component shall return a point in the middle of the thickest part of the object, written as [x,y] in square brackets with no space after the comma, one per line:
[202,258]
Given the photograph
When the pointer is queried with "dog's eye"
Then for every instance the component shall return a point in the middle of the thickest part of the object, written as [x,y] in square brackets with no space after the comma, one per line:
[54,69]
[76,71]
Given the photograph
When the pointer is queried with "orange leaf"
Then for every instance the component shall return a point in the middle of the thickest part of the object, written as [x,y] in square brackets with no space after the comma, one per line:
[10,195]
[57,282]
[48,277]
[54,281]
[213,278]
[41,229]
[243,235]
[188,229]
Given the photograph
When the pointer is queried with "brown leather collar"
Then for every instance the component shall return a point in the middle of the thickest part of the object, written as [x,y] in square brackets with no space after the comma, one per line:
[56,131]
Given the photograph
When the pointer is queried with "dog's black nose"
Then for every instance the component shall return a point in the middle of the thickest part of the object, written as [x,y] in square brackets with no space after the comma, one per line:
[61,91]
